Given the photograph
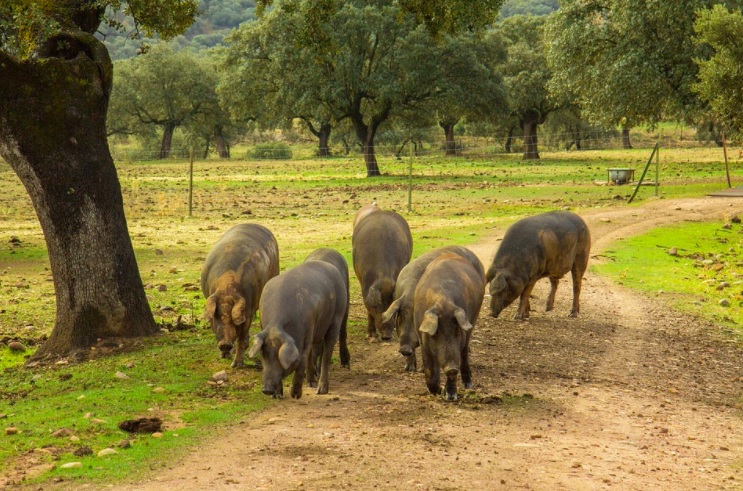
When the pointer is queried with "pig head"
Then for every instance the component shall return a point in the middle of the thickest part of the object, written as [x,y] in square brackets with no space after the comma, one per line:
[280,357]
[226,310]
[378,298]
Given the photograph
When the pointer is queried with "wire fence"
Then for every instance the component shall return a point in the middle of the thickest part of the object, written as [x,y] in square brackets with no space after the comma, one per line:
[501,146]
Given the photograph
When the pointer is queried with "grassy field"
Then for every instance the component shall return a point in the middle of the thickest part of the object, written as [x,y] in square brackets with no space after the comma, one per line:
[307,204]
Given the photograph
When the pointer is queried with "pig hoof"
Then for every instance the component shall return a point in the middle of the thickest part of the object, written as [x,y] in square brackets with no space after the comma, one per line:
[451,397]
[468,385]
[313,384]
[411,368]
[322,390]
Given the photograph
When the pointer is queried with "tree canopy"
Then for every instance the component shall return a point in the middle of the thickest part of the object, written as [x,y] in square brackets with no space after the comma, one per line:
[721,75]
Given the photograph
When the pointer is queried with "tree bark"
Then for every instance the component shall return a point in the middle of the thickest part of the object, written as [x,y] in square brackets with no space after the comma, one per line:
[531,148]
[370,159]
[167,142]
[450,145]
[626,143]
[53,134]
[509,140]
[219,141]
[323,136]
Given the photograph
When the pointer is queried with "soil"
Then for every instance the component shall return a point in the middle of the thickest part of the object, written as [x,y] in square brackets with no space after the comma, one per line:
[631,395]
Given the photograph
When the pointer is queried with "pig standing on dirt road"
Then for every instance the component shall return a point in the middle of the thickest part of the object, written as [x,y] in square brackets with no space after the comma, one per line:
[545,245]
[336,259]
[302,310]
[446,305]
[402,306]
[232,279]
[382,246]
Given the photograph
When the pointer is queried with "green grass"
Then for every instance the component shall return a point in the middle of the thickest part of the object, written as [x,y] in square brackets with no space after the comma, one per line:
[168,378]
[707,270]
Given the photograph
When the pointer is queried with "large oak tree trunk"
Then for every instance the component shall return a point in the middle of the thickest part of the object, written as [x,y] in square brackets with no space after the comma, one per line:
[370,158]
[53,135]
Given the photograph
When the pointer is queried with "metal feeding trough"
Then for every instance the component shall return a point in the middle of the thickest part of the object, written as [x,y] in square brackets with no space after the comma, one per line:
[621,175]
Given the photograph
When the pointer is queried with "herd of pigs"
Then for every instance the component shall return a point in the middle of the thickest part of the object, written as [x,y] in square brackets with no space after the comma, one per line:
[432,302]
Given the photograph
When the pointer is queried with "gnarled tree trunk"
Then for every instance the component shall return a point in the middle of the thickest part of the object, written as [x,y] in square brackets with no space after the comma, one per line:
[451,144]
[167,143]
[223,149]
[53,134]
[530,122]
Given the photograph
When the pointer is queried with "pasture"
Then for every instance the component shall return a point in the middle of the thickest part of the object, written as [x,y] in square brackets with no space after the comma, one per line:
[309,204]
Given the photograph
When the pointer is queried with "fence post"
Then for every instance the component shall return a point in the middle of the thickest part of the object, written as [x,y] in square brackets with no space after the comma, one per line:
[190,183]
[639,183]
[725,152]
[410,181]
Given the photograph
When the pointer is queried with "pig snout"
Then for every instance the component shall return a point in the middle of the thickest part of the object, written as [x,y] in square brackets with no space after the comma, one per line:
[225,348]
[406,350]
[277,392]
[451,371]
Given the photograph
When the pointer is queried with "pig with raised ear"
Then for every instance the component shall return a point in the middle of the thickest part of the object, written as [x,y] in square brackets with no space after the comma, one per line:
[541,246]
[232,280]
[446,304]
[401,308]
[382,246]
[302,310]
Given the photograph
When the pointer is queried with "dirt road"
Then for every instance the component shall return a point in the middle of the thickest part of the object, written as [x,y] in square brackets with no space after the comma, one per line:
[629,396]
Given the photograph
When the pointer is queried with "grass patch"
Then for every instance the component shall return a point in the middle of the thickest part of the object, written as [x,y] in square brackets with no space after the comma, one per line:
[704,277]
[167,377]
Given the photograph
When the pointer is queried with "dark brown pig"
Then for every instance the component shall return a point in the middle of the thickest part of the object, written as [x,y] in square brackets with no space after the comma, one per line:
[302,310]
[402,306]
[336,259]
[232,279]
[546,245]
[446,304]
[382,246]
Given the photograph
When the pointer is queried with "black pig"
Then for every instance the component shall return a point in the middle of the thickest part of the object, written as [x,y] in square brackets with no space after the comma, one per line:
[382,246]
[446,305]
[402,306]
[301,309]
[546,245]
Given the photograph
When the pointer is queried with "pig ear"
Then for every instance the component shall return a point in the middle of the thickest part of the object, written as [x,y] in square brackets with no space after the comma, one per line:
[210,308]
[373,297]
[238,312]
[462,320]
[257,345]
[288,354]
[394,307]
[430,323]
[499,283]
[490,274]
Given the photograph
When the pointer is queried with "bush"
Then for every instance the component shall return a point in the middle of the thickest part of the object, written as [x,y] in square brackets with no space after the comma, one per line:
[273,151]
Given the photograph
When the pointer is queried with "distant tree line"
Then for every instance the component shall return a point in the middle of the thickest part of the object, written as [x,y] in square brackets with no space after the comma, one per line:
[355,72]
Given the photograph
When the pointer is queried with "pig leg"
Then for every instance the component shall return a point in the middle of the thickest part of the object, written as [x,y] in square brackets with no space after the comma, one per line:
[553,290]
[466,370]
[523,312]
[577,280]
[432,371]
[242,344]
[313,364]
[411,364]
[343,344]
[322,387]
[371,328]
[299,374]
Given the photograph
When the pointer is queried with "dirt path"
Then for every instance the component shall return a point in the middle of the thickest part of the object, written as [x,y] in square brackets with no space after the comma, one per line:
[628,396]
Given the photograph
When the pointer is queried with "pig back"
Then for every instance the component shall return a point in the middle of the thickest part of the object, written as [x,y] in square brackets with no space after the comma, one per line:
[250,250]
[452,280]
[382,245]
[333,257]
[543,245]
[310,294]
